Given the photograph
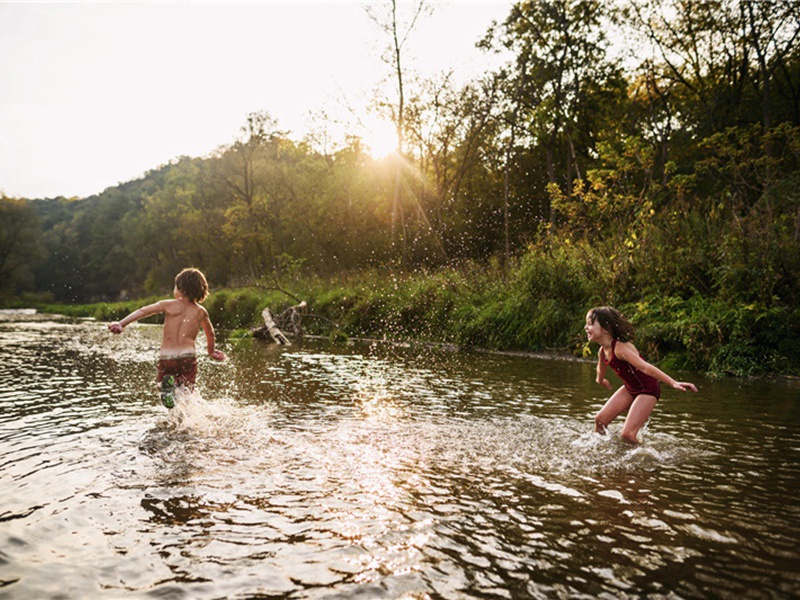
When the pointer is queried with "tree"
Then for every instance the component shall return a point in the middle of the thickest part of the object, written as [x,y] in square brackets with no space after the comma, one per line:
[247,184]
[398,30]
[450,134]
[181,222]
[20,244]
[724,56]
[560,65]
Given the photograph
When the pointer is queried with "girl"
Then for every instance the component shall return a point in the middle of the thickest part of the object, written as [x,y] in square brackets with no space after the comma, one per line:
[641,390]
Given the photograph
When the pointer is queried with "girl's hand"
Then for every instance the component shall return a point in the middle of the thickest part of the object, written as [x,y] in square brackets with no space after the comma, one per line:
[115,328]
[217,355]
[685,386]
[605,383]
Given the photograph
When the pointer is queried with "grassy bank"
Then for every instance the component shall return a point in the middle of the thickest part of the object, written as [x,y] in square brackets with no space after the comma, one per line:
[536,305]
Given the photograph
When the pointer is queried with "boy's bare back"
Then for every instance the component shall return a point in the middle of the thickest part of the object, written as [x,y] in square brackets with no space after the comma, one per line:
[183,317]
[182,322]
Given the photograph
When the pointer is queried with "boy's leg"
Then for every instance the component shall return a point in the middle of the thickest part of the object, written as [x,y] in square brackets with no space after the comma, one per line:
[165,378]
[167,389]
[640,411]
[614,407]
[187,372]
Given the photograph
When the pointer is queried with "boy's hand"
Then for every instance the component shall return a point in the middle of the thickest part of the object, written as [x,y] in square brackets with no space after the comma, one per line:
[218,355]
[115,328]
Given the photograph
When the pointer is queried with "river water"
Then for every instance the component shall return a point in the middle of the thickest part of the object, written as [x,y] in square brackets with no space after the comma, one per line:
[371,471]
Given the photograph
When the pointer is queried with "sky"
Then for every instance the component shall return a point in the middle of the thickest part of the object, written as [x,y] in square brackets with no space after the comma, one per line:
[93,94]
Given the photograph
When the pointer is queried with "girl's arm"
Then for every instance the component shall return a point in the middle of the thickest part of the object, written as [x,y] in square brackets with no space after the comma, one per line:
[601,371]
[627,352]
[139,313]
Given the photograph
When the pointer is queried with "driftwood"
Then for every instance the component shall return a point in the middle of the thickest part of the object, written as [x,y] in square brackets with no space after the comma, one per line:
[274,331]
[273,325]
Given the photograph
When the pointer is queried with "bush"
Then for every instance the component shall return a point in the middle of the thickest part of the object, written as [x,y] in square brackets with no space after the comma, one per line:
[536,302]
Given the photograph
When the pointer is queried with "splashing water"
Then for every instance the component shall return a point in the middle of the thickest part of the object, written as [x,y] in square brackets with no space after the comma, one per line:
[193,414]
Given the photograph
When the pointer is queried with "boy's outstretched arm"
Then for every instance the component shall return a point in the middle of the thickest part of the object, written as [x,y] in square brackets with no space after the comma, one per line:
[139,313]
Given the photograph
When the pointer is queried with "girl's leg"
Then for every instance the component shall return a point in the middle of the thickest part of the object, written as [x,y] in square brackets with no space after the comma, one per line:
[640,411]
[614,407]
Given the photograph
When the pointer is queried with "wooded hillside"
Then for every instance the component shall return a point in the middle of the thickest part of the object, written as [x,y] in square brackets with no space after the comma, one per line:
[673,176]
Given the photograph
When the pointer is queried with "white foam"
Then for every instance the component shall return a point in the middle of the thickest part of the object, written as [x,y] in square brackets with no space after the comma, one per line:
[192,413]
[616,495]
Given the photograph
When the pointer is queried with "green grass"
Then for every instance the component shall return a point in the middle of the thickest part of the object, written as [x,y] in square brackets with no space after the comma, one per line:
[536,304]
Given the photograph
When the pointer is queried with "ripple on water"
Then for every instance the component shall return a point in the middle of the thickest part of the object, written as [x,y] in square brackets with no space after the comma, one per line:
[375,496]
[318,474]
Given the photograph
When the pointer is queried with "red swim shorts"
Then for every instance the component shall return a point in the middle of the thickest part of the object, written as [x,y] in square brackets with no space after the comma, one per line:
[184,368]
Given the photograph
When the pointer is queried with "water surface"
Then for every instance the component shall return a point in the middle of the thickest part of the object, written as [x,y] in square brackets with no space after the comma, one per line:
[358,471]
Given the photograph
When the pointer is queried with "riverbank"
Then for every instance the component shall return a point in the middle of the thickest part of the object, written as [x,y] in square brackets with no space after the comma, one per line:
[529,308]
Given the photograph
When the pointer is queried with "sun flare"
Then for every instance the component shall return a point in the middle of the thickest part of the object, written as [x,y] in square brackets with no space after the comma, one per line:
[379,136]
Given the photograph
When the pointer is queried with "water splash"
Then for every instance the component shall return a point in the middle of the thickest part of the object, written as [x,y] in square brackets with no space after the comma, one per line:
[193,414]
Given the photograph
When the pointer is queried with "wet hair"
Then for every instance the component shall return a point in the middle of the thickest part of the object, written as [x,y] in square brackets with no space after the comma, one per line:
[192,284]
[614,322]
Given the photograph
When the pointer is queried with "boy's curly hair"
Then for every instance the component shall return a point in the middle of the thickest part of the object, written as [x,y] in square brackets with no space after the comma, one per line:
[614,322]
[192,283]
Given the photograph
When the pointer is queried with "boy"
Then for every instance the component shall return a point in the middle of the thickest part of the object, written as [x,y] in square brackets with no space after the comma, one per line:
[183,318]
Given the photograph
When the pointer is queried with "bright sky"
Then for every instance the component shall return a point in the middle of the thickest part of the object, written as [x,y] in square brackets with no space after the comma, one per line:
[93,94]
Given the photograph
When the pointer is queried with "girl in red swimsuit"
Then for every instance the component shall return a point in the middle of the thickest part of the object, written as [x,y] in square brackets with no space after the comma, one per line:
[640,390]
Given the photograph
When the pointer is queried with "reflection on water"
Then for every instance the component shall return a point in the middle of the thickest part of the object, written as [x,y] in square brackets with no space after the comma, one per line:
[375,472]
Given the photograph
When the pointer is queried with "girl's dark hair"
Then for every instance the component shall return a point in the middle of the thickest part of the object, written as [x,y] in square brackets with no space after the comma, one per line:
[614,322]
[192,284]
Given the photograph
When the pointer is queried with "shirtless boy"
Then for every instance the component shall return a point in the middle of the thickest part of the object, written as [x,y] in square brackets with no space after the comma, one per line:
[183,318]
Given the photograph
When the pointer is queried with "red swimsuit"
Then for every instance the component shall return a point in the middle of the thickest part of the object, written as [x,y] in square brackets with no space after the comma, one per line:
[635,381]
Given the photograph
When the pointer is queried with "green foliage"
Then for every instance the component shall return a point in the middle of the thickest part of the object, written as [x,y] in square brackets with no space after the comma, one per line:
[720,336]
[521,199]
[537,304]
[236,309]
[20,245]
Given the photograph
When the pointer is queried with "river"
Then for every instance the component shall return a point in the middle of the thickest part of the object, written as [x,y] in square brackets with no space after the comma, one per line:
[373,471]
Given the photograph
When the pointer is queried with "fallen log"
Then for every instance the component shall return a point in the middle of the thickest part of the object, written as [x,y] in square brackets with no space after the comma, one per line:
[279,328]
[274,331]
[275,325]
[291,318]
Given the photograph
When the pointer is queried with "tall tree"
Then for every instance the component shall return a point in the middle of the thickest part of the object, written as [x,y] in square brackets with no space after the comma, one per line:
[450,130]
[244,186]
[398,29]
[560,62]
[722,54]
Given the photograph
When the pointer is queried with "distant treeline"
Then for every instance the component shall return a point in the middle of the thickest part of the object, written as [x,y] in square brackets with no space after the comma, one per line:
[672,176]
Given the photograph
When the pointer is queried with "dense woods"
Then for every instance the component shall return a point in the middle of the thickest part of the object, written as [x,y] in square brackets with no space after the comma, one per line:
[644,153]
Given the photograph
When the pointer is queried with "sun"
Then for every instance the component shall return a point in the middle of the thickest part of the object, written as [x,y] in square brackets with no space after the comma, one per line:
[379,136]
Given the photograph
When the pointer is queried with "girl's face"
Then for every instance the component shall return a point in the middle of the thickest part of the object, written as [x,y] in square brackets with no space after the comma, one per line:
[593,330]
